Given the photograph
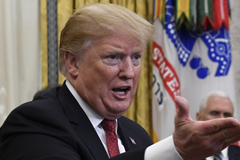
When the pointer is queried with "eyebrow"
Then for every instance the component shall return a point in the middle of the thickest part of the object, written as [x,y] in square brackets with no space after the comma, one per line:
[220,111]
[116,50]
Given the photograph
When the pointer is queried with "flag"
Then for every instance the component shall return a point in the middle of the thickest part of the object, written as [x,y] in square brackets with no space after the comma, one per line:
[189,64]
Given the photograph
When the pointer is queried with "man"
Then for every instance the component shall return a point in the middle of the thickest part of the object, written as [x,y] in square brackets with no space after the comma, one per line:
[101,48]
[214,105]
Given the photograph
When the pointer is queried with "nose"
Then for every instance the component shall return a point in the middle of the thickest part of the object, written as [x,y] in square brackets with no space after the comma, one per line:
[221,115]
[126,69]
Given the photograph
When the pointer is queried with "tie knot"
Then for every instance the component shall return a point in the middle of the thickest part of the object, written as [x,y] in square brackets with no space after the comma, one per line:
[108,125]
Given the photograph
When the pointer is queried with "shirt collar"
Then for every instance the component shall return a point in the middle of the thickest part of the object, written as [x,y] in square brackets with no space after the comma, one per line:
[225,152]
[94,118]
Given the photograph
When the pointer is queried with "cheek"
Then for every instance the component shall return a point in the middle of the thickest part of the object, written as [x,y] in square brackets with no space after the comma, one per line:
[137,75]
[102,81]
[106,74]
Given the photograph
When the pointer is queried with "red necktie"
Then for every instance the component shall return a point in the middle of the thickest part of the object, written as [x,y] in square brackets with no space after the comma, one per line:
[111,137]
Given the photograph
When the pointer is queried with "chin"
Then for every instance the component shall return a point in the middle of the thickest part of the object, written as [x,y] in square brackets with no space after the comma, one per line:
[119,109]
[122,109]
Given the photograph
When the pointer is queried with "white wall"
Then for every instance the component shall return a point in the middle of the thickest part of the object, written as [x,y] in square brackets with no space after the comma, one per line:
[235,41]
[19,53]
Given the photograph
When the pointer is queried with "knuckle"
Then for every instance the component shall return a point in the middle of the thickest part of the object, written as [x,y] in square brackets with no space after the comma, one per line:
[214,126]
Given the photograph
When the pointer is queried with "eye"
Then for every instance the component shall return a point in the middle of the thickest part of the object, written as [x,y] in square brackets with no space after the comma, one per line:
[112,59]
[215,113]
[136,59]
[228,115]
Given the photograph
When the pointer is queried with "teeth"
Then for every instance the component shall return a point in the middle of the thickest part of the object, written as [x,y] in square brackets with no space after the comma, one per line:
[120,92]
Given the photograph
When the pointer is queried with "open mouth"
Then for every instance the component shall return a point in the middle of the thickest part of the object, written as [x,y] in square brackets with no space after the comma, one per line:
[121,90]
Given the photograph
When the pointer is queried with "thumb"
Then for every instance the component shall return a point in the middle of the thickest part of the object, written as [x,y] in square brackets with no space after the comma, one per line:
[183,108]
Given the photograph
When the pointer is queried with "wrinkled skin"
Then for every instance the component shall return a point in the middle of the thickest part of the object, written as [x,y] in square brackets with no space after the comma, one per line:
[198,139]
[107,74]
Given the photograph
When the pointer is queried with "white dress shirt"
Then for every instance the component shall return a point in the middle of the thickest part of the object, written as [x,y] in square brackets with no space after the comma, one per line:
[164,149]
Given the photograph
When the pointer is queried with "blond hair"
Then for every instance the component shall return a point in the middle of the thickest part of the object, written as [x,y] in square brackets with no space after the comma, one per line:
[99,20]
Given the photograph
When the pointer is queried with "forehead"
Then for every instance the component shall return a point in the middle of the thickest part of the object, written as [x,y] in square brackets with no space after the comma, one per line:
[220,104]
[120,41]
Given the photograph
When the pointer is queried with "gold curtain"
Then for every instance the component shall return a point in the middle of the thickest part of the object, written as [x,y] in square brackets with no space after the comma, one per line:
[44,66]
[140,110]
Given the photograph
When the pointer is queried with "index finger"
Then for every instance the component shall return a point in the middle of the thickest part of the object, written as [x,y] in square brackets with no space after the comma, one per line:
[220,124]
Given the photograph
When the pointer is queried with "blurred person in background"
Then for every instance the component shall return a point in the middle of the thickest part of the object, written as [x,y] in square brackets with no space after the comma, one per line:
[217,104]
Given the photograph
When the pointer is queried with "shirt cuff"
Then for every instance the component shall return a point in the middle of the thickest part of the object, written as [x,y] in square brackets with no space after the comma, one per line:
[164,150]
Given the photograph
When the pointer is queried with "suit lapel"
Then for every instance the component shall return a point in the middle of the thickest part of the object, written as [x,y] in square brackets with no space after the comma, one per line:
[90,138]
[127,141]
[81,124]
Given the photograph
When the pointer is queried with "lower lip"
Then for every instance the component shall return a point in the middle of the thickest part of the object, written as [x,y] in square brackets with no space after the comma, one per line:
[121,96]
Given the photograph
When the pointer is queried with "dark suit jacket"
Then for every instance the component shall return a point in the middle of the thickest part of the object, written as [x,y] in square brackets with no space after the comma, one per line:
[54,127]
[233,152]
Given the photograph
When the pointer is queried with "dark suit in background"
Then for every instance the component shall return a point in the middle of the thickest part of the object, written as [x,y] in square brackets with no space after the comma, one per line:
[233,153]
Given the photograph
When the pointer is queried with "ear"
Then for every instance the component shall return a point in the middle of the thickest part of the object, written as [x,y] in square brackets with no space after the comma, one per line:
[198,116]
[71,62]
